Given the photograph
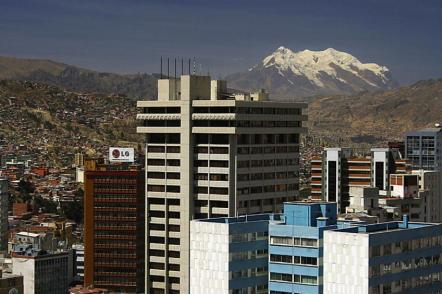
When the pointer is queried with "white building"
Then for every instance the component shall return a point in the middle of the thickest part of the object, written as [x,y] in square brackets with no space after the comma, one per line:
[79,261]
[392,257]
[211,153]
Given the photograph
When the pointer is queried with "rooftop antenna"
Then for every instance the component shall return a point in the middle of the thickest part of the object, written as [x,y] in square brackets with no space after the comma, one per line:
[194,65]
[174,84]
[189,68]
[168,68]
[182,66]
[161,64]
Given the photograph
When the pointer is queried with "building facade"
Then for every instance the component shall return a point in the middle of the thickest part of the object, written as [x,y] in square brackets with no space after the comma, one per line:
[230,255]
[338,169]
[4,207]
[210,153]
[114,227]
[295,249]
[393,257]
[78,262]
[42,272]
[423,148]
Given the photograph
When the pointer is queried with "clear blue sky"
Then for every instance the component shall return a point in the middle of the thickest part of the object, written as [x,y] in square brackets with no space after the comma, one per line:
[225,36]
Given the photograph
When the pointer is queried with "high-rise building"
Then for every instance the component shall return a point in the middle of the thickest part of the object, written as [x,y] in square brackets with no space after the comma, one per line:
[114,227]
[424,148]
[4,207]
[295,249]
[230,255]
[392,257]
[43,272]
[211,153]
[338,169]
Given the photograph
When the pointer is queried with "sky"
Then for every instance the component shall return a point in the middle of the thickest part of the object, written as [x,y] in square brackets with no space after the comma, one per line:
[224,36]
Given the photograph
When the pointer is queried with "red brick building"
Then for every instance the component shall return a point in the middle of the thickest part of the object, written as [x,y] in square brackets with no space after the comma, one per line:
[114,227]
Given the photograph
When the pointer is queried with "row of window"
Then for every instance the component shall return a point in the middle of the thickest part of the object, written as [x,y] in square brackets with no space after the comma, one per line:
[162,149]
[294,241]
[229,123]
[213,163]
[404,265]
[302,260]
[246,139]
[247,255]
[247,110]
[211,190]
[267,176]
[163,188]
[163,162]
[268,150]
[212,177]
[405,246]
[247,237]
[161,214]
[289,278]
[211,150]
[267,162]
[247,273]
[407,284]
[267,189]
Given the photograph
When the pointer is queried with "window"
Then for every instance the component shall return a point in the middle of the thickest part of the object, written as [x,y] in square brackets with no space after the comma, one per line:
[281,241]
[309,280]
[278,277]
[309,242]
[280,258]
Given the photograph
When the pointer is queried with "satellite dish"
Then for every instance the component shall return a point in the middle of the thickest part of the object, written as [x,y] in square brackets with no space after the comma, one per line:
[13,291]
[437,125]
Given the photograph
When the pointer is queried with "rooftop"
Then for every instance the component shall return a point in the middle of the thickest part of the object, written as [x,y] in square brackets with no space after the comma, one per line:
[243,218]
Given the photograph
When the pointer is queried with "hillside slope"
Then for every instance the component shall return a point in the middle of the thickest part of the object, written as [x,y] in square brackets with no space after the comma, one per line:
[73,78]
[379,116]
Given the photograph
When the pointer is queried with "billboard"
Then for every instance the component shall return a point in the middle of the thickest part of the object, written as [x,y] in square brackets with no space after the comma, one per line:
[117,154]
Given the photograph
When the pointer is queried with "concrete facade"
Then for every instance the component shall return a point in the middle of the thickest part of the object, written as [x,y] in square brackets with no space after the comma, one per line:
[210,153]
[229,255]
[393,257]
[423,148]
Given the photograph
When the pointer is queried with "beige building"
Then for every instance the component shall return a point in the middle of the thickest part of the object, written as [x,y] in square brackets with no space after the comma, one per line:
[211,153]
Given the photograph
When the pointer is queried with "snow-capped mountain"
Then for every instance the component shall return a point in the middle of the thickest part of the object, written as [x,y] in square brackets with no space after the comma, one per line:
[288,74]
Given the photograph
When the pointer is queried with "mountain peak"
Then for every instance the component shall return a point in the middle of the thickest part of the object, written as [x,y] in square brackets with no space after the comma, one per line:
[329,71]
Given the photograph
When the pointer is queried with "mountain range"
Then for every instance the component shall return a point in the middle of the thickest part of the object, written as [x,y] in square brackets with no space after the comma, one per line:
[74,78]
[375,110]
[288,74]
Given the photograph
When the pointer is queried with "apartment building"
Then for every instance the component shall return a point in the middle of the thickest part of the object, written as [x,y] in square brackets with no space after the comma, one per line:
[424,148]
[230,255]
[338,169]
[211,153]
[114,227]
[392,257]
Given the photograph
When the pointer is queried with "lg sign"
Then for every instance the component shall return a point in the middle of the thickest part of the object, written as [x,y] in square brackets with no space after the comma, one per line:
[117,154]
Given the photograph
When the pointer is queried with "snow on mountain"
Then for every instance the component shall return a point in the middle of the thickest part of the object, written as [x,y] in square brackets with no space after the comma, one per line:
[306,73]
